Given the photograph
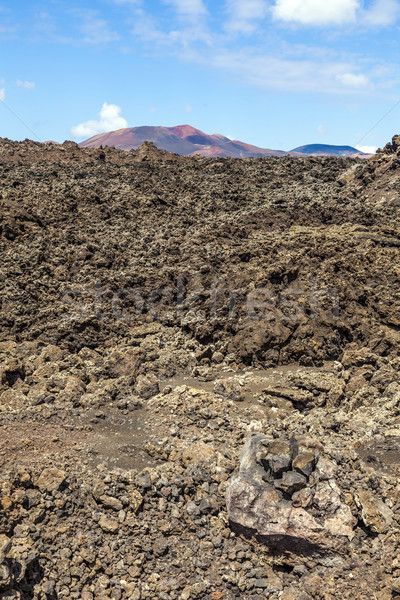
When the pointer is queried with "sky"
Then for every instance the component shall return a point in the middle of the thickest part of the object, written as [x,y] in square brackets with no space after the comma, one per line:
[274,73]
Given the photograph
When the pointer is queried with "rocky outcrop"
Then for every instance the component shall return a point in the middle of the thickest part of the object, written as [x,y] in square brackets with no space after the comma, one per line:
[286,494]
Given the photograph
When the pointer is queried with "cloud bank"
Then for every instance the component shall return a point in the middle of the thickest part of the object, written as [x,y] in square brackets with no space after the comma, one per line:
[97,31]
[336,12]
[382,13]
[353,80]
[190,8]
[243,17]
[271,63]
[316,12]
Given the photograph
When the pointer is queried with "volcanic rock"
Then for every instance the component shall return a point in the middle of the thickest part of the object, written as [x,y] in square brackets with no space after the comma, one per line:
[374,512]
[50,480]
[256,508]
[239,297]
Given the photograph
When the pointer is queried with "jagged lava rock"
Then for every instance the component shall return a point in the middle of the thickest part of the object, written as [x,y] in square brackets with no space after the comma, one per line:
[259,505]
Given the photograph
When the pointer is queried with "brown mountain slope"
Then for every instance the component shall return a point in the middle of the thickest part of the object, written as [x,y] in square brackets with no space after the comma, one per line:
[182,139]
[189,141]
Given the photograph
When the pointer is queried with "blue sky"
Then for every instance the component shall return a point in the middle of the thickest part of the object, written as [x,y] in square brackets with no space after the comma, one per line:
[275,73]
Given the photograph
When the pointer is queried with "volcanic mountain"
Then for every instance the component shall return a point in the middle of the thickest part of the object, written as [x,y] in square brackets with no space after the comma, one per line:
[183,139]
[326,150]
[188,141]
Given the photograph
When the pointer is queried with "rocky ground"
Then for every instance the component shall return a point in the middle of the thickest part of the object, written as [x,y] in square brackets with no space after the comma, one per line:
[159,314]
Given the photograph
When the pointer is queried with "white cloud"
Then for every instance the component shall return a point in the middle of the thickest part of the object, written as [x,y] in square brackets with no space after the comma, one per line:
[321,130]
[316,12]
[189,8]
[353,80]
[110,120]
[305,73]
[244,15]
[97,31]
[337,12]
[8,32]
[189,24]
[2,94]
[28,85]
[193,29]
[276,65]
[145,28]
[91,28]
[8,28]
[382,13]
[367,149]
[188,108]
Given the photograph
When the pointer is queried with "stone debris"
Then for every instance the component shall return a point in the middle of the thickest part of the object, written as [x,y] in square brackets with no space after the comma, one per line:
[159,313]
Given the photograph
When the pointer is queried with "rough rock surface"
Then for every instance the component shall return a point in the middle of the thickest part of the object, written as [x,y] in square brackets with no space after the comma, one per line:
[288,496]
[157,310]
[259,261]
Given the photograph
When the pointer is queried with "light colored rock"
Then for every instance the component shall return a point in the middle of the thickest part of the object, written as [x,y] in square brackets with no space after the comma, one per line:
[111,502]
[5,545]
[304,463]
[109,525]
[50,480]
[229,389]
[135,500]
[302,498]
[254,505]
[374,512]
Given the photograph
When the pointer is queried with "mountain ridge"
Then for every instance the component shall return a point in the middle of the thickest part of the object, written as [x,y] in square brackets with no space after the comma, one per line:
[324,149]
[186,140]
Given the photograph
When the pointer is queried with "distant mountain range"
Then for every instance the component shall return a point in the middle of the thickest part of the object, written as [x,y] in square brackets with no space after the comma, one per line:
[188,141]
[326,149]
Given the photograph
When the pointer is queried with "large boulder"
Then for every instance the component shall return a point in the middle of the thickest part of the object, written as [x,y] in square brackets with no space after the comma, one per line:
[285,493]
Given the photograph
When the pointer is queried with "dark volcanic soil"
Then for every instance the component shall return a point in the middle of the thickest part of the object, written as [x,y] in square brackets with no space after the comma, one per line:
[155,310]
